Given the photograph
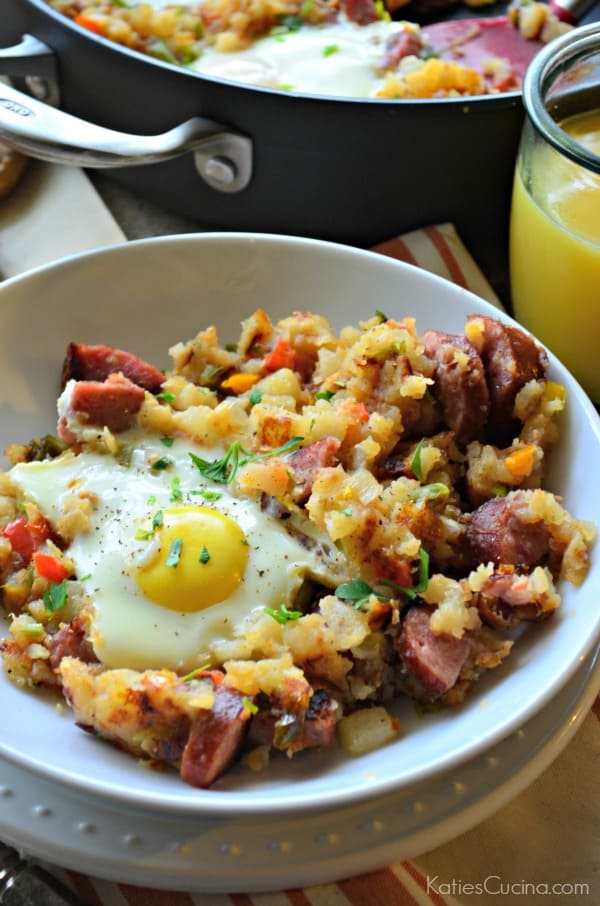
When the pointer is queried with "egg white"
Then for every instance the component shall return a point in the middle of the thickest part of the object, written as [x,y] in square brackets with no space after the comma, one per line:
[339,59]
[129,630]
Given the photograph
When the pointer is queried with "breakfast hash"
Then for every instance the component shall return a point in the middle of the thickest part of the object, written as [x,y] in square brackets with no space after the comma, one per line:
[261,549]
[348,48]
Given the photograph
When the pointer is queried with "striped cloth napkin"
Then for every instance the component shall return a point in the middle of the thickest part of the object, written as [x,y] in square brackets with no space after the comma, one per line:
[542,848]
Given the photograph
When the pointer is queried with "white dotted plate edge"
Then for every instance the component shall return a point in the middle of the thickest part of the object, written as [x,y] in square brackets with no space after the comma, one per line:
[57,824]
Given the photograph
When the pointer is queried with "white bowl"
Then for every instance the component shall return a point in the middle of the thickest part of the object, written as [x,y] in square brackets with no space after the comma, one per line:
[147,295]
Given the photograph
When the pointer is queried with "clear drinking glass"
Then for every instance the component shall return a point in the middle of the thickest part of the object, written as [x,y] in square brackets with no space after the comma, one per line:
[555,217]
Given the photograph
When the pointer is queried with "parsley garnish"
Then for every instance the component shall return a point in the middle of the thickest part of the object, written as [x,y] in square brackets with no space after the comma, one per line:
[174,552]
[224,470]
[324,394]
[204,555]
[382,318]
[359,591]
[167,441]
[330,49]
[167,397]
[55,596]
[421,585]
[283,615]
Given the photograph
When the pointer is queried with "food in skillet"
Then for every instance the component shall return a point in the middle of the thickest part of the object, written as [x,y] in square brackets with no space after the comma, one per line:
[350,48]
[261,549]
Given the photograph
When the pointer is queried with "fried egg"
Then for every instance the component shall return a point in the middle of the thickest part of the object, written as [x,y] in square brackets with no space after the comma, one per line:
[340,59]
[171,561]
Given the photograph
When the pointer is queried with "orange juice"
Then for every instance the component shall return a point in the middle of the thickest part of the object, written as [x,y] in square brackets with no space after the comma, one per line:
[555,251]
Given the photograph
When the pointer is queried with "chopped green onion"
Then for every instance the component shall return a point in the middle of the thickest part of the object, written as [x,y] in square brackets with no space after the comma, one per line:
[176,492]
[283,615]
[324,394]
[415,463]
[208,495]
[167,441]
[32,630]
[167,397]
[330,49]
[255,396]
[159,465]
[432,492]
[204,555]
[174,552]
[249,705]
[193,674]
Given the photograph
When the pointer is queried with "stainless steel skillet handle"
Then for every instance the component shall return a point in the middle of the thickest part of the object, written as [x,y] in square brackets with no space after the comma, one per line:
[223,157]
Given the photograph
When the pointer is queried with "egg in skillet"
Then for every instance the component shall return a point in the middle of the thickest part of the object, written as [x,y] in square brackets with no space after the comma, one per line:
[171,562]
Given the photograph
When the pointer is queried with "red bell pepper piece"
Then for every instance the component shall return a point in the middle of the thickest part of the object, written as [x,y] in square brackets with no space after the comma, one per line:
[89,23]
[49,567]
[21,539]
[281,356]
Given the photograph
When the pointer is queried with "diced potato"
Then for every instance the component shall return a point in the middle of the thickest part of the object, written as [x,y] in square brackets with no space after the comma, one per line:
[367,730]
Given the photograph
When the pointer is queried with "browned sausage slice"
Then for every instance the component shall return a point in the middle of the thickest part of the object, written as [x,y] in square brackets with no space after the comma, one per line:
[215,738]
[72,641]
[112,403]
[460,386]
[511,359]
[96,363]
[433,659]
[306,462]
[496,532]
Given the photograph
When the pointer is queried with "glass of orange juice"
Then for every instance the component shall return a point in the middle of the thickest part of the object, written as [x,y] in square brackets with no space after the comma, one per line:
[555,215]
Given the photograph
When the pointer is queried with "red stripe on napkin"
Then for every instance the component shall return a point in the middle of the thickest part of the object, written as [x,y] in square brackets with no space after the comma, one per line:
[421,880]
[298,897]
[395,248]
[379,887]
[144,896]
[84,888]
[446,254]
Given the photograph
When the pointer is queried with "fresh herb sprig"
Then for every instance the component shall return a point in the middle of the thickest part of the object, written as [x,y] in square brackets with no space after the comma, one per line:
[224,470]
[359,591]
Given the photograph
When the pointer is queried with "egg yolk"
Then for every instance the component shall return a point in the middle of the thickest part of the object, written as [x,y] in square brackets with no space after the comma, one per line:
[196,557]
